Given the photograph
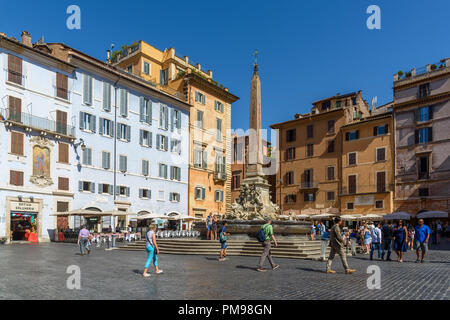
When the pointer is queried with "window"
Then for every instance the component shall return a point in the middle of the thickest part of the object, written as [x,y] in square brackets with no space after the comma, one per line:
[161,195]
[290,135]
[123,102]
[424,192]
[309,197]
[123,191]
[308,178]
[15,109]
[163,117]
[331,146]
[175,146]
[145,110]
[326,106]
[106,160]
[164,77]
[218,106]
[338,104]
[61,122]
[162,171]
[104,188]
[146,68]
[309,150]
[200,193]
[106,97]
[87,122]
[162,142]
[424,90]
[130,69]
[61,86]
[123,132]
[351,184]
[88,83]
[174,197]
[351,159]
[63,152]
[199,122]
[381,154]
[380,130]
[357,114]
[354,101]
[218,196]
[330,195]
[236,181]
[15,69]
[424,135]
[86,186]
[379,204]
[175,173]
[176,120]
[145,168]
[63,183]
[290,153]
[220,165]
[123,163]
[290,198]
[353,135]
[200,158]
[219,130]
[15,178]
[331,126]
[145,138]
[381,181]
[289,178]
[200,97]
[423,166]
[87,157]
[350,206]
[310,131]
[423,114]
[106,127]
[145,193]
[62,206]
[330,173]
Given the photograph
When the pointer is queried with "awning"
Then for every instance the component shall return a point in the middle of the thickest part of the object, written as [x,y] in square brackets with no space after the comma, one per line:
[152,216]
[401,215]
[351,217]
[432,214]
[184,217]
[322,216]
[82,212]
[371,216]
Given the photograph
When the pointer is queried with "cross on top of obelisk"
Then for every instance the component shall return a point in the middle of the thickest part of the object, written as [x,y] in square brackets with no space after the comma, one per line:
[255,54]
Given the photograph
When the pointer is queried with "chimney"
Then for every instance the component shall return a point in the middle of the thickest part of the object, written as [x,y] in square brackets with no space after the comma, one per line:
[186,60]
[210,73]
[26,38]
[108,56]
[199,66]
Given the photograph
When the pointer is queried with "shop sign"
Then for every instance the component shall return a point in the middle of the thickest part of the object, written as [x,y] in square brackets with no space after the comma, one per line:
[364,200]
[24,206]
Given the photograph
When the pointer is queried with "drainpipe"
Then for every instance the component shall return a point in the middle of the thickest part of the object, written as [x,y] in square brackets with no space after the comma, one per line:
[115,138]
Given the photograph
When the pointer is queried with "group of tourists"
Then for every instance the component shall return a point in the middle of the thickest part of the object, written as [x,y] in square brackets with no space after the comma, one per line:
[212,226]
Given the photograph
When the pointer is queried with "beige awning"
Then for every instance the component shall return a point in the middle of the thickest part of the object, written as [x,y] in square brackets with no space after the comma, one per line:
[152,216]
[82,212]
[184,217]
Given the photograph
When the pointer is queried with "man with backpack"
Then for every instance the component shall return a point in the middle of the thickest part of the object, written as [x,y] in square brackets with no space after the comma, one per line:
[223,237]
[265,235]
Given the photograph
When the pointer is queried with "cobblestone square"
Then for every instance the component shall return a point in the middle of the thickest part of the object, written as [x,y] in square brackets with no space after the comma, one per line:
[39,272]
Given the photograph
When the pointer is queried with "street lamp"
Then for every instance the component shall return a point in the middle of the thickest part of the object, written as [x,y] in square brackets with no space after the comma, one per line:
[81,143]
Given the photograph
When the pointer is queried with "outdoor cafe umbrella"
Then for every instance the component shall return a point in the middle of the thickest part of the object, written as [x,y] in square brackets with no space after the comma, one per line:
[184,217]
[401,215]
[432,214]
[152,216]
[82,212]
[350,217]
[370,216]
[322,216]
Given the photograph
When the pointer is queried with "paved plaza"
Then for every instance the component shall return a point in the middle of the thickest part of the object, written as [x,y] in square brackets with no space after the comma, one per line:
[39,272]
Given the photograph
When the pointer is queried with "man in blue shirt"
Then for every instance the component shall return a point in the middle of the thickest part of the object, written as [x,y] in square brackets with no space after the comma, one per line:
[376,241]
[422,235]
[223,236]
[325,242]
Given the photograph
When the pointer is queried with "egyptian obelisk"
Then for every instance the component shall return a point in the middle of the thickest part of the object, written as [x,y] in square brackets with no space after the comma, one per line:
[255,160]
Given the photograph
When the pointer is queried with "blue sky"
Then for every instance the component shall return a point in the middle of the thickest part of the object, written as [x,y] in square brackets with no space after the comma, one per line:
[309,50]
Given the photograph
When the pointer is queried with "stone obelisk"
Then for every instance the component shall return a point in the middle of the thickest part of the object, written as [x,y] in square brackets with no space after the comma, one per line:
[255,160]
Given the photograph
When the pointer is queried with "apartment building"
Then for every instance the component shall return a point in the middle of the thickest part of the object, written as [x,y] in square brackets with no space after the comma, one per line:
[367,160]
[310,149]
[209,121]
[422,136]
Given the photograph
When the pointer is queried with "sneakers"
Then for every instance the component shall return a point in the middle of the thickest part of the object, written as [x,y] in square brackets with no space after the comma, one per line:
[275,267]
[146,275]
[329,271]
[222,259]
[261,270]
[417,261]
[159,271]
[349,271]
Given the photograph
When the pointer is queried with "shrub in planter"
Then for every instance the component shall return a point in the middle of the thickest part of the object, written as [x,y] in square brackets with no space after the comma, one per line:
[400,74]
[433,67]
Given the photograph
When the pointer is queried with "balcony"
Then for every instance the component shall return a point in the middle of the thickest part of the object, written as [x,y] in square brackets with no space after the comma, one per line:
[366,189]
[27,120]
[220,176]
[309,185]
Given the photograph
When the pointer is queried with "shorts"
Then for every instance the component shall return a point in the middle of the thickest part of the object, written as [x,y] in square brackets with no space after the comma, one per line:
[209,227]
[214,226]
[422,246]
[223,245]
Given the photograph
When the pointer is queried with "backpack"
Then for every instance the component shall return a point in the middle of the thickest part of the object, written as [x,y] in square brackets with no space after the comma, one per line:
[222,237]
[261,235]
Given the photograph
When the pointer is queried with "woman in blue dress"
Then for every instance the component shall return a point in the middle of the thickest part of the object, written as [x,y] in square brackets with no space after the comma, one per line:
[400,240]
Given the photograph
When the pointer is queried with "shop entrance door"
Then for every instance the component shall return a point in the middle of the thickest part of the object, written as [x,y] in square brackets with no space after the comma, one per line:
[22,225]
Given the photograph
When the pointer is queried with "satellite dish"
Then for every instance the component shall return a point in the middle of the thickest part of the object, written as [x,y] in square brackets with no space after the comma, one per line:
[374,102]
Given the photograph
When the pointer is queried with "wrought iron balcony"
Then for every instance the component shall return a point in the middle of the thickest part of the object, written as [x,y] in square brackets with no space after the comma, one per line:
[27,120]
[309,185]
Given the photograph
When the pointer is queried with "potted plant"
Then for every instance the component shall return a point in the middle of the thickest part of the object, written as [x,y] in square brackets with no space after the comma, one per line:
[2,240]
[408,74]
[400,73]
[433,67]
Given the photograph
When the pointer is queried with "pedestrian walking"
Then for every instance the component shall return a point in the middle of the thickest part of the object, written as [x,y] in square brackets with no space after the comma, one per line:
[267,236]
[367,239]
[223,237]
[353,241]
[215,226]
[337,246]
[400,240]
[411,233]
[387,234]
[438,232]
[325,240]
[312,231]
[209,222]
[376,241]
[83,240]
[422,237]
[152,249]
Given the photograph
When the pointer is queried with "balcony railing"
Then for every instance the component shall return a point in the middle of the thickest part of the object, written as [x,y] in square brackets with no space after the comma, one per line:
[36,123]
[307,185]
[220,176]
[363,189]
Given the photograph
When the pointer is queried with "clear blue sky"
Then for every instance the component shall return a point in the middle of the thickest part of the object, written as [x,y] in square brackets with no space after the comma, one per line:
[308,49]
